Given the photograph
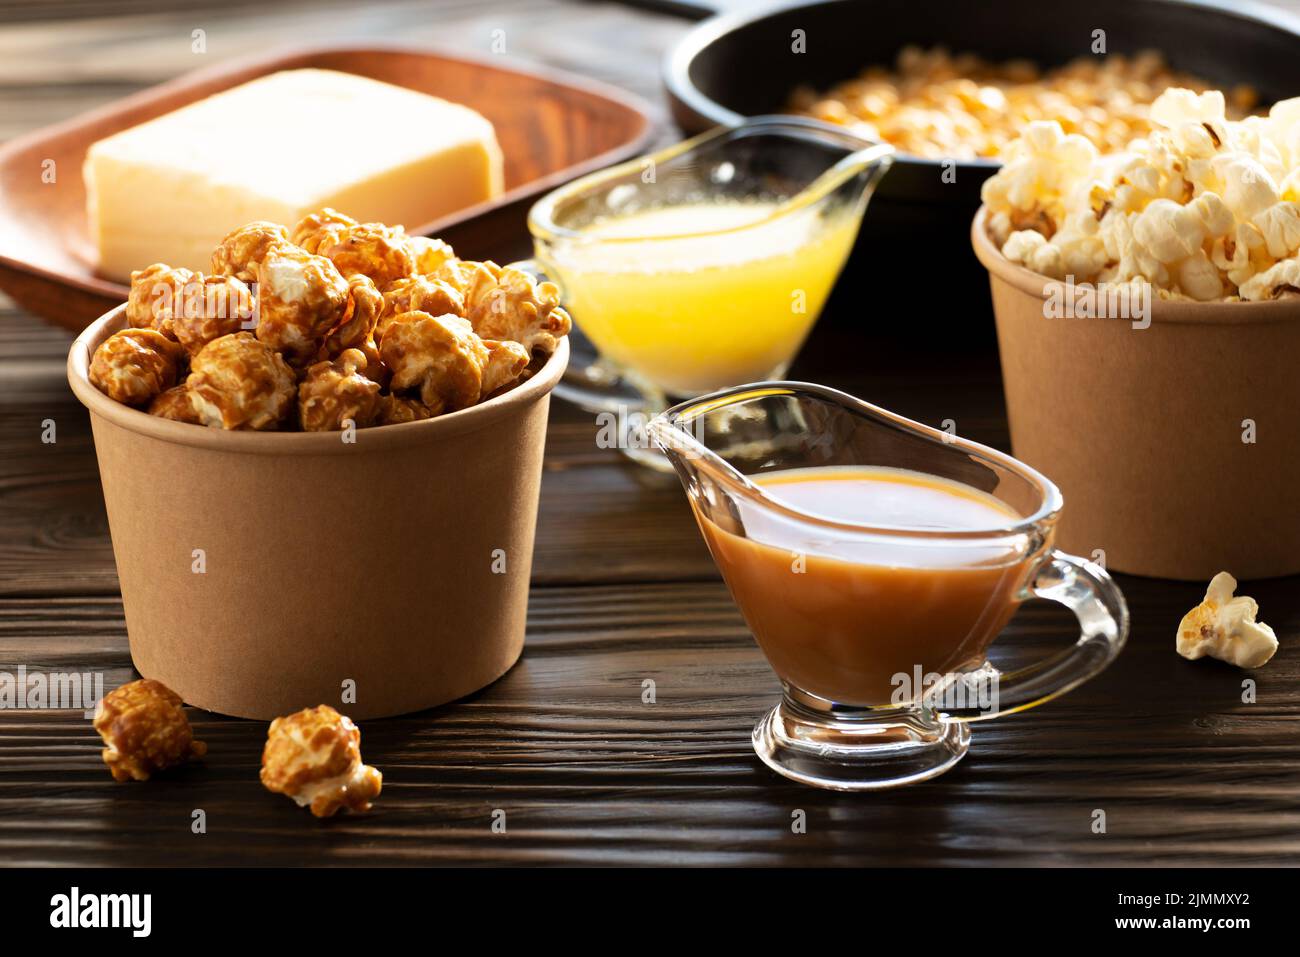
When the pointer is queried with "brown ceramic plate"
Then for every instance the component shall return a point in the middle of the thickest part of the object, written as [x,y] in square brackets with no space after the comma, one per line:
[552,128]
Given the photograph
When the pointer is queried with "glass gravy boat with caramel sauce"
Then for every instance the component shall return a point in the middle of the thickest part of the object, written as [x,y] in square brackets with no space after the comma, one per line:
[875,560]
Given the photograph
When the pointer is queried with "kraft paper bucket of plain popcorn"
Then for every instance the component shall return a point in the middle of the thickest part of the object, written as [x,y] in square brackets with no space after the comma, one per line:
[1174,436]
[265,572]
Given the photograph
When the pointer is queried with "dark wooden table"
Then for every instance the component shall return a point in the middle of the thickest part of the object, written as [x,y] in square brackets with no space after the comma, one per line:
[623,590]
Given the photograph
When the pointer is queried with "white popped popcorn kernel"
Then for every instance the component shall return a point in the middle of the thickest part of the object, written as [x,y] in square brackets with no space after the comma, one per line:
[1145,179]
[1047,260]
[1000,228]
[1290,186]
[1224,627]
[1214,214]
[1021,244]
[1197,125]
[1198,278]
[1280,226]
[1235,253]
[1257,136]
[1040,166]
[1043,136]
[1248,189]
[1282,128]
[1281,277]
[1132,259]
[1082,252]
[1169,231]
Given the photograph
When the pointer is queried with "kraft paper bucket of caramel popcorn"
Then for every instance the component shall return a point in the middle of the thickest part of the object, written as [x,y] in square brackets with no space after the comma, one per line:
[1169,426]
[265,572]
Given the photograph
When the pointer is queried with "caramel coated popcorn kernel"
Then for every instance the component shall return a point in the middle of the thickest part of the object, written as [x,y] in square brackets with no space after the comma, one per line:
[156,294]
[314,757]
[365,305]
[332,394]
[238,382]
[145,730]
[440,356]
[134,365]
[175,404]
[420,294]
[301,299]
[507,303]
[383,253]
[213,306]
[506,362]
[396,409]
[243,250]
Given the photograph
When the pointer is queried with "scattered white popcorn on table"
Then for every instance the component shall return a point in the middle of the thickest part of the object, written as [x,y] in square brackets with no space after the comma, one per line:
[1204,208]
[1224,627]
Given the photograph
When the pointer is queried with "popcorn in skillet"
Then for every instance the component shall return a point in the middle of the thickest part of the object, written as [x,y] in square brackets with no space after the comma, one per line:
[327,297]
[314,757]
[937,105]
[1224,627]
[1203,208]
[144,730]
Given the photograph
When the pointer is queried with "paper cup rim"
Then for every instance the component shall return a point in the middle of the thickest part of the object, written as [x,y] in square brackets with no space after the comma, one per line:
[1162,310]
[294,443]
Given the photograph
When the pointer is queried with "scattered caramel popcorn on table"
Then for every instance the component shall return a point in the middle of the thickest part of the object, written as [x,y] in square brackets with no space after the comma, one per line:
[1224,627]
[355,322]
[1202,209]
[145,730]
[961,107]
[314,757]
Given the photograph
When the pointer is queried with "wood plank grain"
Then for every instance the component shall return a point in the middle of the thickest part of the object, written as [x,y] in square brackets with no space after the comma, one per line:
[586,772]
[600,40]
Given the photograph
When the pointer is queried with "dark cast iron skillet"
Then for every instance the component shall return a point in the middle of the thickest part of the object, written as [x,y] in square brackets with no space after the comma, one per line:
[745,64]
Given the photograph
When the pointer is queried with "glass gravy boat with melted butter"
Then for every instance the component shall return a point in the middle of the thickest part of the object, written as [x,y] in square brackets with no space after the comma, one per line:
[704,265]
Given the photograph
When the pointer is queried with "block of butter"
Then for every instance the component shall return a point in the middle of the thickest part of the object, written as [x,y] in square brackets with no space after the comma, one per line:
[277,148]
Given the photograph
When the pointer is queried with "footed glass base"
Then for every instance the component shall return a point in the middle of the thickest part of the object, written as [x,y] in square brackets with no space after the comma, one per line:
[857,749]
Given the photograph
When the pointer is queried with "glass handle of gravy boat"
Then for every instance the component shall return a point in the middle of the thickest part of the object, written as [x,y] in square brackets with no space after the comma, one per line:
[1087,590]
[590,381]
